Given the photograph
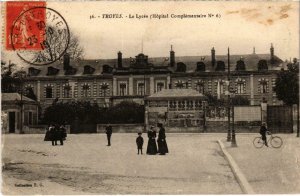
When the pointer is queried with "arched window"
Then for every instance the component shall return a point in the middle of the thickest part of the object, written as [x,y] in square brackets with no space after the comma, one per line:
[86,90]
[240,86]
[104,89]
[180,84]
[66,91]
[263,85]
[199,86]
[49,91]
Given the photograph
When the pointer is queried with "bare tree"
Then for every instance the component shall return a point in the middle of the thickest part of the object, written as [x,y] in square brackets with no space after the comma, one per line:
[56,43]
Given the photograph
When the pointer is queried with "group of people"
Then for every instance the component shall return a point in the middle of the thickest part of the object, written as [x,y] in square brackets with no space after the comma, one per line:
[152,149]
[55,133]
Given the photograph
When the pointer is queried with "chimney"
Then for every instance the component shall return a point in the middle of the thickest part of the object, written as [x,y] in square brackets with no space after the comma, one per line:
[272,54]
[253,50]
[172,57]
[119,59]
[213,56]
[66,61]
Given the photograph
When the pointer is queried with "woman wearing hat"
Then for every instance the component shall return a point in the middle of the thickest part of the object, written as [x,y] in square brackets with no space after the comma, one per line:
[151,148]
[161,141]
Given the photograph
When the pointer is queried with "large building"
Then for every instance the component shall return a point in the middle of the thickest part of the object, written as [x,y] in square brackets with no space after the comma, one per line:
[110,81]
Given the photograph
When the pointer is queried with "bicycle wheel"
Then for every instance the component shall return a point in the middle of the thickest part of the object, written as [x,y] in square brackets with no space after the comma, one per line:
[276,142]
[258,142]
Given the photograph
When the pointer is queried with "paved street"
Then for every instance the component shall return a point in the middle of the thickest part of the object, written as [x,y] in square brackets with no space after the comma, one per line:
[195,165]
[269,170]
[85,165]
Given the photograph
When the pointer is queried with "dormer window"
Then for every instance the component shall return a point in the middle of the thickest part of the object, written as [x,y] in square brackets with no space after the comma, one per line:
[33,71]
[88,70]
[200,66]
[220,66]
[240,65]
[107,69]
[262,65]
[52,71]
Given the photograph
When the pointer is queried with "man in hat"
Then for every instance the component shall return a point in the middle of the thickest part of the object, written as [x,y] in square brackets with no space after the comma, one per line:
[108,131]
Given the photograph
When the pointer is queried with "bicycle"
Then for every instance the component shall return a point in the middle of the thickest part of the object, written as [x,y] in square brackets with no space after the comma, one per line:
[275,141]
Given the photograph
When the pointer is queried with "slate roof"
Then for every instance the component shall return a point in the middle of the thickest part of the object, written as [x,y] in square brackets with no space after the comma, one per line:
[175,93]
[161,63]
[15,97]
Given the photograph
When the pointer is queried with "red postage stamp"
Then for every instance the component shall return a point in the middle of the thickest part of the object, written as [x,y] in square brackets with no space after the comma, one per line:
[25,25]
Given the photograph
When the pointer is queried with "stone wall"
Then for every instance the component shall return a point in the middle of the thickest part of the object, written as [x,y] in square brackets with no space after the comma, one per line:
[122,128]
[39,129]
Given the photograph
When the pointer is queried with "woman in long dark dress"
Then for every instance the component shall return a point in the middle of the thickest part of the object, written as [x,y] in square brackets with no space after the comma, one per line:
[151,148]
[161,141]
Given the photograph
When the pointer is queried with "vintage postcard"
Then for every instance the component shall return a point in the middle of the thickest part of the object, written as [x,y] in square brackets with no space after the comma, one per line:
[149,97]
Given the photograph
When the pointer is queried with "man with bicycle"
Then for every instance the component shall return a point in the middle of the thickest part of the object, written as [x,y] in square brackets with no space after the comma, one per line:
[263,131]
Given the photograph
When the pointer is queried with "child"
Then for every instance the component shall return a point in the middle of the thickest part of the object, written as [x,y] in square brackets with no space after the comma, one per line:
[140,142]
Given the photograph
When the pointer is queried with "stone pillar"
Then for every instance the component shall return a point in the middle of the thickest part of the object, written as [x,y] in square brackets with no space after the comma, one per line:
[251,90]
[72,84]
[115,87]
[264,107]
[152,85]
[146,117]
[38,91]
[168,81]
[130,86]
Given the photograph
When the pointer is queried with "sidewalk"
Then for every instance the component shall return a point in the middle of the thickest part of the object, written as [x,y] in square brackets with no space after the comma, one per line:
[268,170]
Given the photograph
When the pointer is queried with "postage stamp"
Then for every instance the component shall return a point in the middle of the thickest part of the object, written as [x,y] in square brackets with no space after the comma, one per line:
[39,35]
[26,25]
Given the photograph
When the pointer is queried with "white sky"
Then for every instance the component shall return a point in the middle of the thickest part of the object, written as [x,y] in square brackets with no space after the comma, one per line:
[242,26]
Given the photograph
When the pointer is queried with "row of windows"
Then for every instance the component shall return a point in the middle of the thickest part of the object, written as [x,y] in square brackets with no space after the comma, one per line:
[86,90]
[240,88]
[141,90]
[185,105]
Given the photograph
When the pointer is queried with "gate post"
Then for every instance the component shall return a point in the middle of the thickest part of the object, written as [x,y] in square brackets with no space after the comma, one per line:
[264,106]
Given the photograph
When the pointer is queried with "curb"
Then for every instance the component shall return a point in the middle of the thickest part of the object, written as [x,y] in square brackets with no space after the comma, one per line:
[243,182]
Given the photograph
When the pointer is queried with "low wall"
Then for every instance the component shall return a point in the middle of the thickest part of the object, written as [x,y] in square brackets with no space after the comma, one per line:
[222,127]
[240,127]
[39,129]
[121,128]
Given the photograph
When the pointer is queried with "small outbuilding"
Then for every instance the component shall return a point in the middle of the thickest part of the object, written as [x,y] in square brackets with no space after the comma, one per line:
[13,105]
[176,108]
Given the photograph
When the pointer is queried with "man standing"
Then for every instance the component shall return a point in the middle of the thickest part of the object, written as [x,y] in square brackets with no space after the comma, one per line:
[108,131]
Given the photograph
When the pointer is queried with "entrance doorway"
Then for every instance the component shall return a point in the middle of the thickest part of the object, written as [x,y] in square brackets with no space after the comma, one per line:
[12,122]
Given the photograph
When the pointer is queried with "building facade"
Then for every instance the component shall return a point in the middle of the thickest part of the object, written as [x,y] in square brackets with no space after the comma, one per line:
[110,81]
